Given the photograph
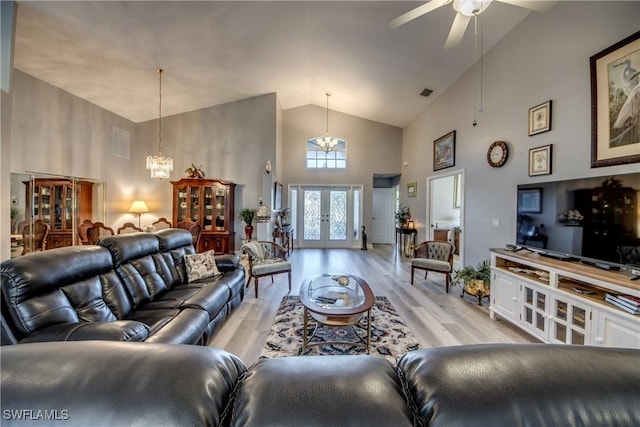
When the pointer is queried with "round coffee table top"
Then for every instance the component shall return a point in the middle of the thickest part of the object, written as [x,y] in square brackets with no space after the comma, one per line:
[336,294]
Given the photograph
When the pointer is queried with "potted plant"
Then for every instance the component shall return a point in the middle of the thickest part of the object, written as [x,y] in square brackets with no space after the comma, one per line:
[476,280]
[248,215]
[402,215]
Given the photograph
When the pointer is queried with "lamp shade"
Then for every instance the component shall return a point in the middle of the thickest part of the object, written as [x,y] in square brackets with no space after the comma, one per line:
[138,206]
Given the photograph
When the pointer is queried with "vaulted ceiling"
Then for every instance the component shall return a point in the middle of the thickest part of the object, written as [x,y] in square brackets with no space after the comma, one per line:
[106,52]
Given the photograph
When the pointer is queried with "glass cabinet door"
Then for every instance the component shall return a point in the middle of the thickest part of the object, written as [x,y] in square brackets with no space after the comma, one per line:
[219,207]
[568,323]
[45,204]
[194,203]
[535,310]
[182,204]
[57,207]
[207,223]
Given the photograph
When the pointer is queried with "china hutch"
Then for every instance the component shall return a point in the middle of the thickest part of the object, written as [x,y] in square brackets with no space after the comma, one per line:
[52,201]
[209,202]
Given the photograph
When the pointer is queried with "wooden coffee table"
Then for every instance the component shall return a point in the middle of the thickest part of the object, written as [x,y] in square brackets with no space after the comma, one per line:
[336,300]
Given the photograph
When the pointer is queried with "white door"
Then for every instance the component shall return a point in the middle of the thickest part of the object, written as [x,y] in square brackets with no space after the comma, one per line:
[383,220]
[325,220]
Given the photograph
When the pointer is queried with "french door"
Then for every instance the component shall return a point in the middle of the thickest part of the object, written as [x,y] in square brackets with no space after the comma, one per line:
[327,216]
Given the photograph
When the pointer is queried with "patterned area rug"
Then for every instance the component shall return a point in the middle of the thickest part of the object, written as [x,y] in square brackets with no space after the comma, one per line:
[390,336]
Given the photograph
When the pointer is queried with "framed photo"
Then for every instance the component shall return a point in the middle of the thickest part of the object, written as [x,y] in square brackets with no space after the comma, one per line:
[530,200]
[615,89]
[444,151]
[540,160]
[277,196]
[411,189]
[540,118]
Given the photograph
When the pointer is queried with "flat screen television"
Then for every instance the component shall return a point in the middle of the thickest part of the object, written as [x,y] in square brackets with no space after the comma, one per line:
[595,220]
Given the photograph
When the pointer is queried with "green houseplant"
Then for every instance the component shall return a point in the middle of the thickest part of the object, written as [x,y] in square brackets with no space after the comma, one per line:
[476,280]
[248,215]
[402,215]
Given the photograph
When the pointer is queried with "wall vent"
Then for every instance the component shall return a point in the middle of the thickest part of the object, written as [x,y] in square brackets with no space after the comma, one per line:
[120,143]
[426,92]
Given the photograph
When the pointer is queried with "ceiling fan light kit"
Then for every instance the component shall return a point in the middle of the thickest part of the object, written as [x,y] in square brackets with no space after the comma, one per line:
[470,7]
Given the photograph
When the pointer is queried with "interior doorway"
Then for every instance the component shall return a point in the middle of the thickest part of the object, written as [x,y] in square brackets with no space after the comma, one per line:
[383,219]
[445,207]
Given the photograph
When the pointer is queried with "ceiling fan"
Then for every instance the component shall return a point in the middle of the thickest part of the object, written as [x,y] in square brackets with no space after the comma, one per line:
[465,10]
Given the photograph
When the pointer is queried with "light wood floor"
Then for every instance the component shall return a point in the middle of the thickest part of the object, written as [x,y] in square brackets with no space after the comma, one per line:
[435,317]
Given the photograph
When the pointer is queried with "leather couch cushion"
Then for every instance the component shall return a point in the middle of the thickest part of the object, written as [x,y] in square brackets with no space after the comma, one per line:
[127,247]
[524,385]
[321,391]
[173,326]
[102,383]
[121,330]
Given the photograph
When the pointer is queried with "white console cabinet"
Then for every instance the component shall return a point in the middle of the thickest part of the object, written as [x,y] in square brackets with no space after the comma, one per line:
[562,302]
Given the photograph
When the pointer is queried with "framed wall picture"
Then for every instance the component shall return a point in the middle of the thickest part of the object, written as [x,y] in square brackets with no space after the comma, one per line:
[540,160]
[530,200]
[411,189]
[540,118]
[277,197]
[615,94]
[444,151]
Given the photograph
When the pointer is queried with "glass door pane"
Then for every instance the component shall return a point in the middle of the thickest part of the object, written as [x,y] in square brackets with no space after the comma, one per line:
[338,215]
[207,223]
[312,214]
[194,203]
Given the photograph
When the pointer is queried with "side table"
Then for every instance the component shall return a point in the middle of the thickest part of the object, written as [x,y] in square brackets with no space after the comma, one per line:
[285,235]
[406,246]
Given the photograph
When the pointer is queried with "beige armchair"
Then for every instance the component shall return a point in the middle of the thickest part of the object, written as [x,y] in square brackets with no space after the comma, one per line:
[266,259]
[433,256]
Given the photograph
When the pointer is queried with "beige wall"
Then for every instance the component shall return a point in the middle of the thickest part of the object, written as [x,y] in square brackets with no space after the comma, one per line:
[55,132]
[372,147]
[546,57]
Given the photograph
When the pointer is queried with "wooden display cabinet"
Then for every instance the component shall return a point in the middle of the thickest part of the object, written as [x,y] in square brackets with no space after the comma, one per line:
[209,202]
[52,201]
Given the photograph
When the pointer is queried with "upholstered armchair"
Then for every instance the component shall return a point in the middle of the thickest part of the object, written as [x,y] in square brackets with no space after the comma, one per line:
[433,256]
[266,259]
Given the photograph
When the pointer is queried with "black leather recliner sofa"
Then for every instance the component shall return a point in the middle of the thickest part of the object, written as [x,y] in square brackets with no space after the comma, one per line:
[102,383]
[131,287]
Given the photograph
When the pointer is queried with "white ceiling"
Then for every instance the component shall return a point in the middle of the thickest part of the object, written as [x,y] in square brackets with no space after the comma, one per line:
[218,52]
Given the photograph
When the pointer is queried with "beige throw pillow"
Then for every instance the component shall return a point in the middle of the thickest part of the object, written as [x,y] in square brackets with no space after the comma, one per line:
[201,266]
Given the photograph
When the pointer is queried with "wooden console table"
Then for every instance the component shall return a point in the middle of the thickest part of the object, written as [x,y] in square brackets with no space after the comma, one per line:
[285,235]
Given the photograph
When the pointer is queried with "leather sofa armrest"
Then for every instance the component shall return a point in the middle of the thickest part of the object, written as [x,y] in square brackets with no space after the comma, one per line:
[106,383]
[524,384]
[120,330]
[227,262]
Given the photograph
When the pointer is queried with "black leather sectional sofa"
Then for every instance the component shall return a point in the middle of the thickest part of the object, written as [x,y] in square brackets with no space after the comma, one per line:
[131,287]
[104,383]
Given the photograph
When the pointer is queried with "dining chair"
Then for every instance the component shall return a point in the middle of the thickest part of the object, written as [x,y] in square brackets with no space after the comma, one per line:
[97,232]
[34,237]
[128,228]
[161,223]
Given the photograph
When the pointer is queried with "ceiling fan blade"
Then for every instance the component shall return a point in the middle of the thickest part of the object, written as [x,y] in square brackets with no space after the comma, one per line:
[537,5]
[416,13]
[458,28]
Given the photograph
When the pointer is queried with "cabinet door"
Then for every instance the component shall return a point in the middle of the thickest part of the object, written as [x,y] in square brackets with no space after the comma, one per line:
[219,244]
[617,330]
[504,294]
[570,321]
[534,310]
[220,194]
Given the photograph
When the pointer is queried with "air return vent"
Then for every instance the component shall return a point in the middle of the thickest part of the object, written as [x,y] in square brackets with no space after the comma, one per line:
[426,92]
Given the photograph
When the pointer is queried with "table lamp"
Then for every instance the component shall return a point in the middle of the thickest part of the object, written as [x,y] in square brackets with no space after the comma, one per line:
[138,207]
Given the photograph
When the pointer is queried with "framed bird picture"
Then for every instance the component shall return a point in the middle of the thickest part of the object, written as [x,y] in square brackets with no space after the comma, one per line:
[615,104]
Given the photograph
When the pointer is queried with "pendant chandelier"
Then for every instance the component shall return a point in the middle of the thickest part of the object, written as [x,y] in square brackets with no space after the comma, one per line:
[327,143]
[160,166]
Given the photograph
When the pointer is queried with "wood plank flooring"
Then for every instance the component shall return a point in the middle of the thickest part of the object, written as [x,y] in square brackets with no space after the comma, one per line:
[435,317]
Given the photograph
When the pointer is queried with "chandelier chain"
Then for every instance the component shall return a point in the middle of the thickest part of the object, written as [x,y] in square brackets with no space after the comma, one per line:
[159,70]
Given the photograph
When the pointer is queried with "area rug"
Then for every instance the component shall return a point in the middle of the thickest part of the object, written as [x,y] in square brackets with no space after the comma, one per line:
[390,336]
